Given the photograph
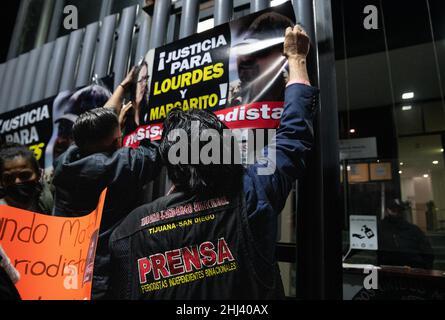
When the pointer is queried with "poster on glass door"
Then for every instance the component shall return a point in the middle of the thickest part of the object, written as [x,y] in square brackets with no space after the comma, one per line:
[363,232]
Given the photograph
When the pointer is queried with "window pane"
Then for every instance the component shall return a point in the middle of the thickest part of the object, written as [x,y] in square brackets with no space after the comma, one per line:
[392,134]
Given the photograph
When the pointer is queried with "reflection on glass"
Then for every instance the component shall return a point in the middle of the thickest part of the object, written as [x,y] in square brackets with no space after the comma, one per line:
[391,92]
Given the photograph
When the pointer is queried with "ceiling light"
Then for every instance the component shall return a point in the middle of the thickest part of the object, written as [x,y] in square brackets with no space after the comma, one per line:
[441,150]
[352,131]
[401,163]
[400,172]
[408,95]
[425,176]
[406,108]
[435,162]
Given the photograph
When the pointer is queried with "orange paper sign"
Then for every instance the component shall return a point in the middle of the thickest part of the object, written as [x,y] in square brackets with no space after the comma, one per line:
[54,255]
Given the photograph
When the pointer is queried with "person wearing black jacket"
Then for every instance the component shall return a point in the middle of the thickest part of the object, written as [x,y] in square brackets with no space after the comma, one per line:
[402,243]
[98,161]
[215,236]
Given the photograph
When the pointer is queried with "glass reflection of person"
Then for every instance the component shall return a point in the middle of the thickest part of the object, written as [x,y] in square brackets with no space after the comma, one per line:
[260,63]
[402,243]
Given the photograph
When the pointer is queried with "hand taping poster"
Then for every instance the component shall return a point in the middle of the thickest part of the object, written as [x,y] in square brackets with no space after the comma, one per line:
[236,70]
[54,256]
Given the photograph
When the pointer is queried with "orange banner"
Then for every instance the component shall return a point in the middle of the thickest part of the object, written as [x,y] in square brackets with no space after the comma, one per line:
[54,255]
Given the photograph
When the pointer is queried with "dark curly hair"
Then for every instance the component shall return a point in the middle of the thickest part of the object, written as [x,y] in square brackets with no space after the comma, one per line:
[200,178]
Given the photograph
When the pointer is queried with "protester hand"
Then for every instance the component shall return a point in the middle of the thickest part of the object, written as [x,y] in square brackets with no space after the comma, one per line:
[123,114]
[296,43]
[296,49]
[129,78]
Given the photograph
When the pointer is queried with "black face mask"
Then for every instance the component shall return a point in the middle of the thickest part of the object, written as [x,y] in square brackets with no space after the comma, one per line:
[25,192]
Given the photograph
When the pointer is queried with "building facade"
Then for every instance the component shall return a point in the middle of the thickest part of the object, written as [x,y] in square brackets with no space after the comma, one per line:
[375,188]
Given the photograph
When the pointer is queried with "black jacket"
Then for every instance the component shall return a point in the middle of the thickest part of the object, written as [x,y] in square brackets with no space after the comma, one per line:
[247,224]
[403,244]
[7,288]
[79,182]
[190,247]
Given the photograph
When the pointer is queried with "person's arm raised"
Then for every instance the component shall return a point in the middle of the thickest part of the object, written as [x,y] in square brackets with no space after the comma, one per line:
[296,49]
[116,100]
[285,159]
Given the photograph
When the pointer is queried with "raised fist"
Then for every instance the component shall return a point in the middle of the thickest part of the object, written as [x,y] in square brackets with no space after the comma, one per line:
[296,43]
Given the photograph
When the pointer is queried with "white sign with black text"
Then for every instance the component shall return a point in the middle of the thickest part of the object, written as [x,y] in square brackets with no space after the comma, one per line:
[363,232]
[358,148]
